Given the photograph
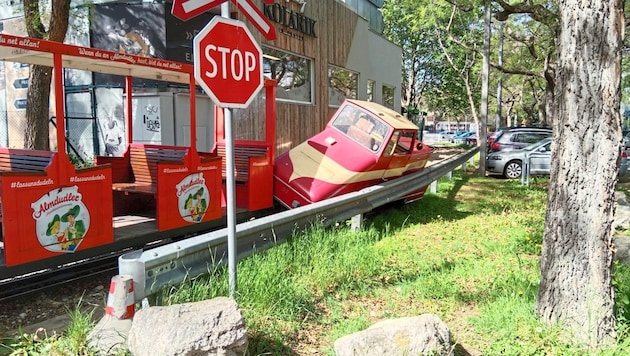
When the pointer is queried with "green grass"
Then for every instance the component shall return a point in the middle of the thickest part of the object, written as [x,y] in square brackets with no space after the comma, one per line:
[468,254]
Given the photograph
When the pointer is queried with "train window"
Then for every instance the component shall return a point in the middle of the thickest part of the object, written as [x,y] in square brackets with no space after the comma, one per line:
[345,119]
[405,142]
[361,127]
[391,145]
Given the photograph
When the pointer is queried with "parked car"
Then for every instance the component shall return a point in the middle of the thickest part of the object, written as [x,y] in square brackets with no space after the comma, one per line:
[471,140]
[517,137]
[510,163]
[460,138]
[626,140]
[446,135]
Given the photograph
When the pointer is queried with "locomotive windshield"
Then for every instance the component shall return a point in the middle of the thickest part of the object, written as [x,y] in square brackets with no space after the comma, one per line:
[363,128]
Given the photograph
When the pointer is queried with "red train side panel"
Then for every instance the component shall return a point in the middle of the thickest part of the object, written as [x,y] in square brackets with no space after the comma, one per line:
[61,210]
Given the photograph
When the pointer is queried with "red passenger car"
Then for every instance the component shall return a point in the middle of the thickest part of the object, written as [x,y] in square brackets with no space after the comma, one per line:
[363,144]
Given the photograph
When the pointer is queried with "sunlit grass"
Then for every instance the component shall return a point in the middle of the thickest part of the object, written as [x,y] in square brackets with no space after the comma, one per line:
[468,254]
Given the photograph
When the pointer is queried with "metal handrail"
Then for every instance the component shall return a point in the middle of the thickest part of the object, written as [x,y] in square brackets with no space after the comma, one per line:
[168,265]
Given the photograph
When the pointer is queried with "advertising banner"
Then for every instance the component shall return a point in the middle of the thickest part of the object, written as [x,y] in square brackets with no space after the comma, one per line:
[136,29]
[48,214]
[195,193]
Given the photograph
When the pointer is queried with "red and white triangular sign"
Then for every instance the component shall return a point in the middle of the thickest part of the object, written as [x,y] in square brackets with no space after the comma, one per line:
[187,9]
[249,9]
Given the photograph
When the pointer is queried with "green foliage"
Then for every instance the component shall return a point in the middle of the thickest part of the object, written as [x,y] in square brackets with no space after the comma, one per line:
[80,163]
[430,81]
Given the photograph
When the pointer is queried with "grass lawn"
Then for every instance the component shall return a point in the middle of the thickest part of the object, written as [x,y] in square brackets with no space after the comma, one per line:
[468,254]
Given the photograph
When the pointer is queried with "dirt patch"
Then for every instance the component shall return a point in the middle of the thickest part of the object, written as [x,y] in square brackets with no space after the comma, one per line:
[442,153]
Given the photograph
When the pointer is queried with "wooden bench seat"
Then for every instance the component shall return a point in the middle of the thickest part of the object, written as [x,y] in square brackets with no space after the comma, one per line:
[16,160]
[23,161]
[242,154]
[144,160]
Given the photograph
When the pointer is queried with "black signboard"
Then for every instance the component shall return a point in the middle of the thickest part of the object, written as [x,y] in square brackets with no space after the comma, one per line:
[136,29]
[20,83]
[20,104]
[180,34]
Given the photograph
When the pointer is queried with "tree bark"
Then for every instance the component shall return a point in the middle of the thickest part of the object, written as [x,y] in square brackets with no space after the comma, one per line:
[577,255]
[37,101]
[36,135]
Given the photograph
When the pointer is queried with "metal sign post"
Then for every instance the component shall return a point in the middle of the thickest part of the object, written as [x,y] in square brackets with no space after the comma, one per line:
[231,186]
[228,66]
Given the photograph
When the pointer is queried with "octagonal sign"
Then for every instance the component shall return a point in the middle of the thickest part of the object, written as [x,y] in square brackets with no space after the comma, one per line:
[228,62]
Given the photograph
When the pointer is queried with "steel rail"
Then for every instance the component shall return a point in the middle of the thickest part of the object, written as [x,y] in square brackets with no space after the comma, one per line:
[164,266]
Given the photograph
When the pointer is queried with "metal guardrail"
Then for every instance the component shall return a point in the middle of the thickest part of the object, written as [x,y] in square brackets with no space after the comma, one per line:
[168,265]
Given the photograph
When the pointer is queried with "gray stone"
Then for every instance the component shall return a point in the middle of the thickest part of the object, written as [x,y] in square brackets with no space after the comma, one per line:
[109,336]
[426,334]
[211,327]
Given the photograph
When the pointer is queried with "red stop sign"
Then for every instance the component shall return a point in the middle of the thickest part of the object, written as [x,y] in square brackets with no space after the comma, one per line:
[228,62]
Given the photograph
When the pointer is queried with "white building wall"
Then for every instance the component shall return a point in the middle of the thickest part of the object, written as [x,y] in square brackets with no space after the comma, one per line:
[371,53]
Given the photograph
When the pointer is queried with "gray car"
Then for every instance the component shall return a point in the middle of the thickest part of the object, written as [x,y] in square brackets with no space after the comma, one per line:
[510,163]
[514,138]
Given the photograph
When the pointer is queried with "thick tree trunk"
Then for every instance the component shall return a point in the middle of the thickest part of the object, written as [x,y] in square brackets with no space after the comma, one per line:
[38,95]
[37,99]
[577,255]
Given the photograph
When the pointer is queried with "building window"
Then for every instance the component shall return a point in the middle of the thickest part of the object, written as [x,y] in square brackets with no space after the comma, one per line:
[388,96]
[370,90]
[342,84]
[293,73]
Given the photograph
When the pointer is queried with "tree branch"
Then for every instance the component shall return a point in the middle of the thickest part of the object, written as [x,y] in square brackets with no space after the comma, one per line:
[537,12]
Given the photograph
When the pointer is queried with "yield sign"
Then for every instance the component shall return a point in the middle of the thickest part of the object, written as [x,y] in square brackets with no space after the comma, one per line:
[187,9]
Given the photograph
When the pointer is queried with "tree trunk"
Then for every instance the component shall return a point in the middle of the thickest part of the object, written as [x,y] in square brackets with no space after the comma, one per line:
[38,95]
[37,99]
[576,265]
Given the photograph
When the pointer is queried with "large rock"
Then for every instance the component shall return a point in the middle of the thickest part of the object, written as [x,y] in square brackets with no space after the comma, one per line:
[211,327]
[420,335]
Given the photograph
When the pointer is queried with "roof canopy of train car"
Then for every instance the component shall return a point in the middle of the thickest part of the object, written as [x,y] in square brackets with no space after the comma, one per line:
[391,117]
[41,52]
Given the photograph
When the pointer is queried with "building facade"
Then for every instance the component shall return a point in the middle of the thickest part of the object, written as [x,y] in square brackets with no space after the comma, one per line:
[325,51]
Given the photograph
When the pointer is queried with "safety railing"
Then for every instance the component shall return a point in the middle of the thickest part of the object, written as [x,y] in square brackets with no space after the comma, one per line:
[167,265]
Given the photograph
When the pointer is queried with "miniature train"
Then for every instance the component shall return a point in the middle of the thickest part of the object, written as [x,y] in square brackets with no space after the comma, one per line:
[53,213]
[363,144]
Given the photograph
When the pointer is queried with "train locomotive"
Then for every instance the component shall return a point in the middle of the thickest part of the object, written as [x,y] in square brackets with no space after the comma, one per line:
[363,144]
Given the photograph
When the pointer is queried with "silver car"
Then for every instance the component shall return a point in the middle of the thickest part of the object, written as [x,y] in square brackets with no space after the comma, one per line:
[510,163]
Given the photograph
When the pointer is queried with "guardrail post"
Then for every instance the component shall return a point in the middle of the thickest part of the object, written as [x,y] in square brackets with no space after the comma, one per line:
[449,175]
[357,220]
[525,171]
[464,167]
[433,186]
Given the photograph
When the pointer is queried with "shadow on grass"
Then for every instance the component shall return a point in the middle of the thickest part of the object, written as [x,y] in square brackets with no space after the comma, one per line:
[427,209]
[261,345]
